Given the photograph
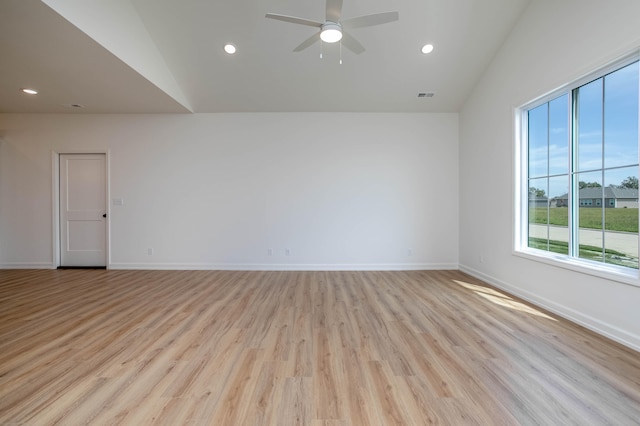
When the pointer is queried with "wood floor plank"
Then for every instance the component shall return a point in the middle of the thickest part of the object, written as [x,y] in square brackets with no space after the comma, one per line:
[297,348]
[296,406]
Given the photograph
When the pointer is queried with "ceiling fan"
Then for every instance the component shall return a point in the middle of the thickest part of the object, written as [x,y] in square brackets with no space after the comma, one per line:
[332,29]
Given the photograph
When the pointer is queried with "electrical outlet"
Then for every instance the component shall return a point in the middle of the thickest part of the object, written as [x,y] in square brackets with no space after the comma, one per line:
[287,252]
[409,252]
[270,252]
[481,259]
[150,251]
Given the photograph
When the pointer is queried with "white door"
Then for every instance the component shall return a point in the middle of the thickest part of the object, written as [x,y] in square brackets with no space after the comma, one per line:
[83,223]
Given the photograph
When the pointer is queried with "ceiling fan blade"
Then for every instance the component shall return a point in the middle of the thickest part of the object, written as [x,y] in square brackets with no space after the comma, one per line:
[334,10]
[293,20]
[308,42]
[369,20]
[351,43]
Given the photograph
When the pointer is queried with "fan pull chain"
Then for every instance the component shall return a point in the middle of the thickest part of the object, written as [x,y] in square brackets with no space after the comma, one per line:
[321,44]
[341,53]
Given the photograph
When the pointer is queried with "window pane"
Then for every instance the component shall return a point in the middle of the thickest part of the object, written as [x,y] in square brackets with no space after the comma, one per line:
[621,217]
[538,143]
[538,214]
[559,214]
[559,135]
[589,126]
[590,212]
[621,117]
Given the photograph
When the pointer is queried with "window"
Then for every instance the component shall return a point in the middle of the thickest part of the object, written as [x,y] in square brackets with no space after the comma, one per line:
[579,170]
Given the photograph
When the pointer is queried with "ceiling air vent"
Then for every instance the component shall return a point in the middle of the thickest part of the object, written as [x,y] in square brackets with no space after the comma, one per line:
[72,106]
[426,95]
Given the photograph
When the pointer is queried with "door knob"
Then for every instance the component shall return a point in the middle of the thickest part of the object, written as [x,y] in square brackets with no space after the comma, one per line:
[104,215]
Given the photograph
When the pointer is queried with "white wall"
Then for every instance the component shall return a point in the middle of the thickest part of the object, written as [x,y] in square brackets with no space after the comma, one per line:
[554,43]
[341,191]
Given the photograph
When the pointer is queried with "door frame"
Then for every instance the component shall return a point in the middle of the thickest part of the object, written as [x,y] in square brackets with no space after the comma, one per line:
[55,186]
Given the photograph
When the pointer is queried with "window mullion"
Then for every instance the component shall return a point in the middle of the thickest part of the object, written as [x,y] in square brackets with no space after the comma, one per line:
[547,189]
[604,235]
[574,194]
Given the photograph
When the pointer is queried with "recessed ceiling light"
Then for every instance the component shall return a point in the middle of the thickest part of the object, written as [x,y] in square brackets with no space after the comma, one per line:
[29,91]
[427,48]
[230,49]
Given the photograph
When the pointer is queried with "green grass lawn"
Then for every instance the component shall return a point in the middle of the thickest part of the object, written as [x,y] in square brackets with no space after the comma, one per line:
[586,252]
[615,219]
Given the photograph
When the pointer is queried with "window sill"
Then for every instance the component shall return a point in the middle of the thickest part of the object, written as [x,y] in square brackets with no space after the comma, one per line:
[600,270]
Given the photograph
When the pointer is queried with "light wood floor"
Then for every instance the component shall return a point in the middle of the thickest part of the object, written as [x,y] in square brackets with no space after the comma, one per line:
[308,348]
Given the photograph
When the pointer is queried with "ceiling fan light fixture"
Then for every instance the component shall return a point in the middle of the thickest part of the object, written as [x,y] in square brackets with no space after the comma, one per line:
[331,29]
[230,48]
[331,32]
[427,48]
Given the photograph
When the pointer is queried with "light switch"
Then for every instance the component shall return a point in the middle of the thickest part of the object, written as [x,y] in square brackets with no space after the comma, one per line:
[117,201]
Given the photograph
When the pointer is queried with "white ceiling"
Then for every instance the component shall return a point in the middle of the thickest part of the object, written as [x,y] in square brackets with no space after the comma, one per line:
[154,56]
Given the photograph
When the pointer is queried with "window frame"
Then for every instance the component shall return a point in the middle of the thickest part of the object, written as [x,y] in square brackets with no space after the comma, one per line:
[521,190]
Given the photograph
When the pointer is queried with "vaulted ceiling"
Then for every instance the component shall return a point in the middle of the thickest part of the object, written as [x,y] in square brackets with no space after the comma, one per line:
[158,56]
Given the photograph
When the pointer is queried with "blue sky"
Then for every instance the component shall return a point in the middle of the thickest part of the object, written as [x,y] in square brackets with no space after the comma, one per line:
[549,133]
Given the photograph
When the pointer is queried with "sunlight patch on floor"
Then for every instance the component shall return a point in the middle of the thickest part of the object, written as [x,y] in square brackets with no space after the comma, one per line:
[502,299]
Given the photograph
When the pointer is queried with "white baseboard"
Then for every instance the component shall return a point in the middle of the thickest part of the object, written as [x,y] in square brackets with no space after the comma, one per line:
[608,330]
[27,265]
[286,267]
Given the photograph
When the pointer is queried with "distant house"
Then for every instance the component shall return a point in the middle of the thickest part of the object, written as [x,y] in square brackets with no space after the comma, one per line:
[614,197]
[538,201]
